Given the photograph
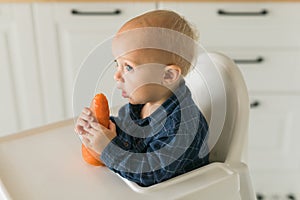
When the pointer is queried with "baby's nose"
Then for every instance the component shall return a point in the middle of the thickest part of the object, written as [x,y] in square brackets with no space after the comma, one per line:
[118,76]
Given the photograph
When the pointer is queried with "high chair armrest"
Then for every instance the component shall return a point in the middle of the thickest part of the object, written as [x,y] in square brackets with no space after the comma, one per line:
[214,181]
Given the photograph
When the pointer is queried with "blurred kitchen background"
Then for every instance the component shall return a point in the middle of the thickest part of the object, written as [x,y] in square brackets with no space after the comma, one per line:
[43,43]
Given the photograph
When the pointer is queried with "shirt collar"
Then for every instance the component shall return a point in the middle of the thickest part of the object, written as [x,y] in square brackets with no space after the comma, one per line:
[168,106]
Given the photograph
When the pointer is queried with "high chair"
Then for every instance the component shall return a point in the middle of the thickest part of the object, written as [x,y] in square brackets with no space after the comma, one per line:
[44,163]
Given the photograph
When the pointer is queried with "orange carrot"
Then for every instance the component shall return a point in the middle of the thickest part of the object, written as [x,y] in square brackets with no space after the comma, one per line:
[100,109]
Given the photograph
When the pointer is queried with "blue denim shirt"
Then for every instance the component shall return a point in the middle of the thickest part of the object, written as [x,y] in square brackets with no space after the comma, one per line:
[170,142]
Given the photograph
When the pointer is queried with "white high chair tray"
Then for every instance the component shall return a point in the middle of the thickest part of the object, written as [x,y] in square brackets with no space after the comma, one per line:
[45,163]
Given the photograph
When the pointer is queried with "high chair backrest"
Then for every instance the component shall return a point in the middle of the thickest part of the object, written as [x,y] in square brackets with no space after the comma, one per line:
[218,88]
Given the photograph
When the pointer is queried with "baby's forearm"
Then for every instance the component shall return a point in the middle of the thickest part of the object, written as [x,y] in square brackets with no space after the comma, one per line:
[138,170]
[149,168]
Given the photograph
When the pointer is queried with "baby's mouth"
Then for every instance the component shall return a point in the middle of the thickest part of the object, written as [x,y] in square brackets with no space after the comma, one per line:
[124,94]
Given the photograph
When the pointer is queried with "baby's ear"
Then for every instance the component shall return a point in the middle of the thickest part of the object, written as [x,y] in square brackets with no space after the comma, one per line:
[172,74]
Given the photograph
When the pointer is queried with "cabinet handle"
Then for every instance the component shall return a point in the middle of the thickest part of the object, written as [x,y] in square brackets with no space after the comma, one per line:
[257,60]
[254,104]
[263,12]
[77,12]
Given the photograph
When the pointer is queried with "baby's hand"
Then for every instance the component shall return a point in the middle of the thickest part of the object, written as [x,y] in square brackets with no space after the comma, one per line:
[83,121]
[97,137]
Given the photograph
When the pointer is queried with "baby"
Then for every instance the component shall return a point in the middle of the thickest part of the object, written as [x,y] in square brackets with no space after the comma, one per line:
[160,133]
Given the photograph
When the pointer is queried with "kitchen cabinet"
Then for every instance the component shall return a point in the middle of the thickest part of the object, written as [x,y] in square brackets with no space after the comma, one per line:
[21,104]
[263,40]
[41,48]
[66,33]
[242,24]
[274,125]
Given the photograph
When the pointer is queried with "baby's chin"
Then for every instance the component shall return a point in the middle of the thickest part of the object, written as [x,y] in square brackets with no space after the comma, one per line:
[131,101]
[134,101]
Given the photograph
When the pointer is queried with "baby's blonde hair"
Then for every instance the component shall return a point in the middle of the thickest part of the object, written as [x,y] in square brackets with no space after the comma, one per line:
[169,20]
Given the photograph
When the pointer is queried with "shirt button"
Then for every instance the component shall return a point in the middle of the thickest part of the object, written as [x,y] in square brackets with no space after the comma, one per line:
[126,144]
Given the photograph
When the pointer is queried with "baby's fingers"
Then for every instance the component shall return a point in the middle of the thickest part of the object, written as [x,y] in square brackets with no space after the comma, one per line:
[85,116]
[91,131]
[87,111]
[79,130]
[112,126]
[81,122]
[96,126]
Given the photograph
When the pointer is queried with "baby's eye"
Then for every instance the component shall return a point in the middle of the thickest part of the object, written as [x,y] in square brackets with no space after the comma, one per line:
[128,68]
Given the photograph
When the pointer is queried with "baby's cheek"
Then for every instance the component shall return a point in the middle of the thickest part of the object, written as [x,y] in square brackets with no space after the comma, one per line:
[143,75]
[132,82]
[148,75]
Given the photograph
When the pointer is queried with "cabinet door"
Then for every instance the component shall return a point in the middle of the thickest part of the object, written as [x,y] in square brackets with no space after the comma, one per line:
[239,24]
[268,70]
[66,33]
[21,105]
[274,132]
[274,151]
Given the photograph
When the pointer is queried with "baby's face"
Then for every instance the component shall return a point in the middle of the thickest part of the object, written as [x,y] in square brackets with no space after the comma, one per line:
[140,77]
[140,70]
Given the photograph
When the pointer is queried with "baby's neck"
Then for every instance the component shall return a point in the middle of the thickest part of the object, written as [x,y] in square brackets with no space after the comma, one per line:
[151,107]
[148,109]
